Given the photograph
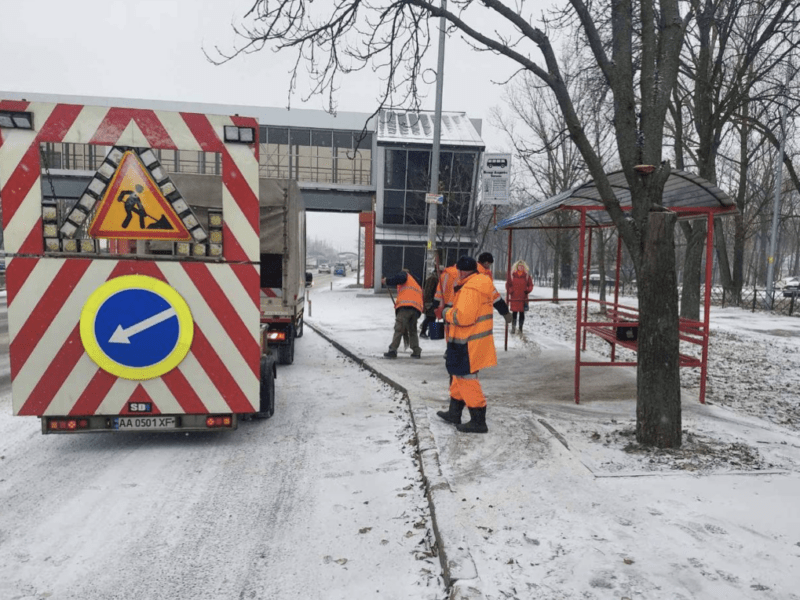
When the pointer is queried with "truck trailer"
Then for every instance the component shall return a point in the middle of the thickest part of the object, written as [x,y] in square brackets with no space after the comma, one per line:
[134,268]
[283,259]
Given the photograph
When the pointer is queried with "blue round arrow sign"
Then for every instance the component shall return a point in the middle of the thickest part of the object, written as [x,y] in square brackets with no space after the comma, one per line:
[136,328]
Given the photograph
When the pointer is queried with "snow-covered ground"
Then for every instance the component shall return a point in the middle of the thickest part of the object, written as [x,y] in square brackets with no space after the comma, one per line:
[558,501]
[323,501]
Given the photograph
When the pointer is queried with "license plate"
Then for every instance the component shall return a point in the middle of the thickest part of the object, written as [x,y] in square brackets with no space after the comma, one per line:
[130,423]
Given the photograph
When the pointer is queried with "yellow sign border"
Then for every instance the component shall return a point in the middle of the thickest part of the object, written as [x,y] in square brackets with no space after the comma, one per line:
[134,282]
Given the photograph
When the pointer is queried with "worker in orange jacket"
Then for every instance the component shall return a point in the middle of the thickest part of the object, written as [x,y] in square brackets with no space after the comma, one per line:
[485,262]
[445,293]
[407,309]
[470,345]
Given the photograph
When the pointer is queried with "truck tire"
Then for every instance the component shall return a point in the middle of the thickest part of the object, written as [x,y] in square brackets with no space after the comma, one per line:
[267,391]
[286,353]
[299,331]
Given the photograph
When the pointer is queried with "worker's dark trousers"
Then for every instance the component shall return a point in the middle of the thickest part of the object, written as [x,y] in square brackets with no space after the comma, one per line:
[406,320]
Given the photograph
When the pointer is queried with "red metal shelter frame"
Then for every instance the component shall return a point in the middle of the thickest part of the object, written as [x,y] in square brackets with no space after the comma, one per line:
[690,331]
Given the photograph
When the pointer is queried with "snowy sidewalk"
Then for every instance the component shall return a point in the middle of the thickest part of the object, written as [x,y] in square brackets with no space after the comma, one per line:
[557,502]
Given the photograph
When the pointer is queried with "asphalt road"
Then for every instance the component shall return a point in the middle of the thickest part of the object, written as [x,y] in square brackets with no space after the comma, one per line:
[324,500]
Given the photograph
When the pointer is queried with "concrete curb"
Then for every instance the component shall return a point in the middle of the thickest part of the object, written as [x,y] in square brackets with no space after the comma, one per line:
[458,567]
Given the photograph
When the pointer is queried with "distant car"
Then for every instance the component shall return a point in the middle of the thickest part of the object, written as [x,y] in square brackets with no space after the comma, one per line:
[791,287]
[309,279]
[324,268]
[340,269]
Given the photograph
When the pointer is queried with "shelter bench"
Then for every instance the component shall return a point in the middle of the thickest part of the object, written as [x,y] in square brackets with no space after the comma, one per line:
[620,328]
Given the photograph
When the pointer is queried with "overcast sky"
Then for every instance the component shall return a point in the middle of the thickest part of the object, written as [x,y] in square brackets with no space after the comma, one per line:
[152,49]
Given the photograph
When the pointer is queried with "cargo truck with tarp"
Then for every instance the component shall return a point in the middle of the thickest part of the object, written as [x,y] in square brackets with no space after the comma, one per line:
[133,268]
[283,264]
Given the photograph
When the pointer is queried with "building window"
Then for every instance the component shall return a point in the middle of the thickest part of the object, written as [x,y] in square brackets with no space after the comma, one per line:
[393,207]
[408,171]
[418,177]
[416,208]
[396,258]
[394,173]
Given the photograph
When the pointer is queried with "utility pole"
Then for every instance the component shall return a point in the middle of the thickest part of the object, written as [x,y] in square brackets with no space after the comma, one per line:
[430,257]
[776,204]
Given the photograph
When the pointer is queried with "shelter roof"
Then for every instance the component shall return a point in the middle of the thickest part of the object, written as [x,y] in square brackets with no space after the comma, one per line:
[683,191]
[408,127]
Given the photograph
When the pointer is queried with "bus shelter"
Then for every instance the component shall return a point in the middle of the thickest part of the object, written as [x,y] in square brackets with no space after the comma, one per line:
[686,194]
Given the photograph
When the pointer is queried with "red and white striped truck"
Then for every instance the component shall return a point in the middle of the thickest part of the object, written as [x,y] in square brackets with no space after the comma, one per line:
[132,241]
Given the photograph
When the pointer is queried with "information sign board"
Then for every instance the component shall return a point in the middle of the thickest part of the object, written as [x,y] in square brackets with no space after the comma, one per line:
[495,178]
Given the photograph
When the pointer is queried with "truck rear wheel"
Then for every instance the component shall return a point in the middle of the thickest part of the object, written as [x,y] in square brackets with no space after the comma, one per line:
[286,353]
[267,391]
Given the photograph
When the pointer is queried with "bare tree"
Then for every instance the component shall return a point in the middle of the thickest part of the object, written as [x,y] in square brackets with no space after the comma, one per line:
[731,61]
[550,162]
[635,49]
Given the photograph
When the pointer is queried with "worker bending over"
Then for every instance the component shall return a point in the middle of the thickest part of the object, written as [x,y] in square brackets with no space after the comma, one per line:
[408,308]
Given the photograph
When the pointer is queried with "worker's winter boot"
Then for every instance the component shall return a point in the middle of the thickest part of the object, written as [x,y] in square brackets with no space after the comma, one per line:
[477,423]
[453,414]
[390,354]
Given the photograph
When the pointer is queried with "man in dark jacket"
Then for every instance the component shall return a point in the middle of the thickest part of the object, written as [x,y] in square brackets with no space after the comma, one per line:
[429,303]
[408,307]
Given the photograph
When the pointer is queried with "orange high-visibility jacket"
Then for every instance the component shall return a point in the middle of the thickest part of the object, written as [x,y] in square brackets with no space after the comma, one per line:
[447,281]
[409,294]
[484,271]
[470,344]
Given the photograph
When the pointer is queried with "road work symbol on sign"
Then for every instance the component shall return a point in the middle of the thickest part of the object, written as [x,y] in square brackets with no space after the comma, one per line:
[133,207]
[136,327]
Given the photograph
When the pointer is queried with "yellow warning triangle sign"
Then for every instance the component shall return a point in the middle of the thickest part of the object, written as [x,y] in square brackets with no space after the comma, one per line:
[134,208]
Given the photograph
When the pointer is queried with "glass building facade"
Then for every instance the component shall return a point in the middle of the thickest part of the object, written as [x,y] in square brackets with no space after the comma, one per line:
[405,183]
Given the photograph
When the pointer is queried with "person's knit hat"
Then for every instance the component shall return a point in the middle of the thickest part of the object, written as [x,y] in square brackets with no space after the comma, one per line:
[486,257]
[466,263]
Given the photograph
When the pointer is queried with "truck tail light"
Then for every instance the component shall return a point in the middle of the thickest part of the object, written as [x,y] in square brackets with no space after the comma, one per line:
[62,424]
[223,421]
[276,336]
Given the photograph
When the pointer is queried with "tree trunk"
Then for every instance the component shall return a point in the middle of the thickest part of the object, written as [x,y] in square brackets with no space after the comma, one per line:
[658,402]
[695,245]
[728,281]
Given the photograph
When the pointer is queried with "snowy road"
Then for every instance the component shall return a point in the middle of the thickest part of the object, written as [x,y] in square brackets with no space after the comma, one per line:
[324,500]
[5,370]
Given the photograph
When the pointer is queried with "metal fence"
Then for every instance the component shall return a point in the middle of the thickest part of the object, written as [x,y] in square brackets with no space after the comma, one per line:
[753,299]
[625,289]
[756,299]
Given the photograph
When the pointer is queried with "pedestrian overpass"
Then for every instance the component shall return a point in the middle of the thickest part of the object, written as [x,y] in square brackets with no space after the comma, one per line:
[349,163]
[330,157]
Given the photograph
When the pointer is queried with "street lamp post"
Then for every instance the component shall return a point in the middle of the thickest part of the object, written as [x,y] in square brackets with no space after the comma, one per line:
[430,257]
